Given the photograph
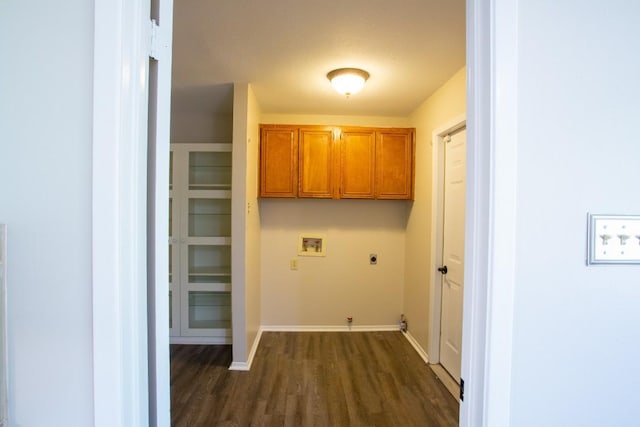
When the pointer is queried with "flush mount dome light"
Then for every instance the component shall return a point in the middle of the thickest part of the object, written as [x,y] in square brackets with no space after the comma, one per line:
[348,81]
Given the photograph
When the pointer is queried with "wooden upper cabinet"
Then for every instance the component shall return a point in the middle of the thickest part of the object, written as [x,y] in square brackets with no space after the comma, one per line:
[394,164]
[278,161]
[329,162]
[357,163]
[316,163]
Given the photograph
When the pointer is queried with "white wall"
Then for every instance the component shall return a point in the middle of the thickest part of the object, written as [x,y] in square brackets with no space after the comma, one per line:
[447,103]
[45,198]
[576,328]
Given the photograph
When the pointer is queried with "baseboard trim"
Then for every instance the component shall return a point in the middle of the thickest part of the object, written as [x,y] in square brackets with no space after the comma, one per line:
[328,328]
[441,373]
[240,366]
[446,379]
[200,340]
[246,366]
[418,348]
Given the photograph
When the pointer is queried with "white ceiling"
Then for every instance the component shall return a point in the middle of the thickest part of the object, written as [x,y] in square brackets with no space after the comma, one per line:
[285,48]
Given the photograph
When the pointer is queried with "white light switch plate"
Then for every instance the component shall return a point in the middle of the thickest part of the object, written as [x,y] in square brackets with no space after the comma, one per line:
[614,239]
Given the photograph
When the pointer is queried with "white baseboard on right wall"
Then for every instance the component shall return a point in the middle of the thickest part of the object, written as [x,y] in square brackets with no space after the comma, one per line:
[246,366]
[446,379]
[423,354]
[437,369]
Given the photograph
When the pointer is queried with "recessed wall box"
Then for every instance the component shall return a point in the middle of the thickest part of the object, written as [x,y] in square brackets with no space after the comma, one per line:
[312,244]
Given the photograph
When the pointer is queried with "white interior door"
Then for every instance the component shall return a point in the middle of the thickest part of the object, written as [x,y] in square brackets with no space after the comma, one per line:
[453,253]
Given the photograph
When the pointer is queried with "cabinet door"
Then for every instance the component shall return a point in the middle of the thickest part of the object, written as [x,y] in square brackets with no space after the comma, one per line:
[200,243]
[206,244]
[206,289]
[316,163]
[394,164]
[357,164]
[278,162]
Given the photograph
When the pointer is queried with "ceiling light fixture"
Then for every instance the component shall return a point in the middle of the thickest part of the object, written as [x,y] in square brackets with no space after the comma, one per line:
[348,81]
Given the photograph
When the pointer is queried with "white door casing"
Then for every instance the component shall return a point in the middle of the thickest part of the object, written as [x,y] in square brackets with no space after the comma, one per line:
[129,213]
[120,351]
[492,123]
[437,232]
[492,95]
[159,117]
[453,252]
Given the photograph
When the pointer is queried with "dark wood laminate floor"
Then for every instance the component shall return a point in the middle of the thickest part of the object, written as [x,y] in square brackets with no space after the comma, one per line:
[310,379]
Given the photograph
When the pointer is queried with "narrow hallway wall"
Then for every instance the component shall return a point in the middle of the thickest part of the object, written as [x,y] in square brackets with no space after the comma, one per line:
[445,104]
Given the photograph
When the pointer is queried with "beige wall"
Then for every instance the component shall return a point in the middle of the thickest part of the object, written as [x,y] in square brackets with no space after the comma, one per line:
[325,290]
[252,229]
[245,255]
[445,104]
[307,119]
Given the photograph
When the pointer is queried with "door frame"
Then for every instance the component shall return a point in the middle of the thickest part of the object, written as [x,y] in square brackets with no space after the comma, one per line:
[130,350]
[120,390]
[490,220]
[120,364]
[437,230]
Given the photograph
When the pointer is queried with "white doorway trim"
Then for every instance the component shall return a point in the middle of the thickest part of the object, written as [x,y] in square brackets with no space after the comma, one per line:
[158,159]
[121,382]
[437,221]
[492,102]
[492,38]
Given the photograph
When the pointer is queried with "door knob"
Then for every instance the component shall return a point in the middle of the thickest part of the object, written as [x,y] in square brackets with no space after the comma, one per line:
[443,269]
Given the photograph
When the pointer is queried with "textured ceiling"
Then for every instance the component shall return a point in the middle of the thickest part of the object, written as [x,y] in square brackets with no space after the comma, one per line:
[285,48]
